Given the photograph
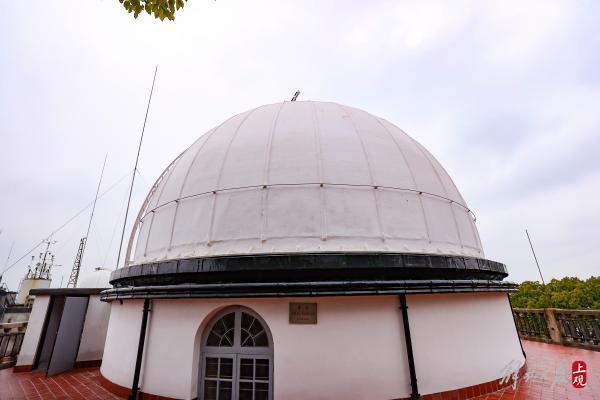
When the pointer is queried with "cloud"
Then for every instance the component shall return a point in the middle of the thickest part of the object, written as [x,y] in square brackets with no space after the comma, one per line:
[564,222]
[504,94]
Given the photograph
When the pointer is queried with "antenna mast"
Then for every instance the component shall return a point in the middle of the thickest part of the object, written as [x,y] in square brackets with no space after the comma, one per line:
[536,260]
[43,267]
[7,259]
[135,168]
[79,257]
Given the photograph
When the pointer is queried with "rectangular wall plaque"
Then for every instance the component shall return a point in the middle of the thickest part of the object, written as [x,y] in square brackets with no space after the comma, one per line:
[303,313]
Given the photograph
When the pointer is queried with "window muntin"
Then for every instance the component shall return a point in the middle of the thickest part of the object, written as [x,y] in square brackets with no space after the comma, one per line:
[254,378]
[252,332]
[222,332]
[237,358]
[218,378]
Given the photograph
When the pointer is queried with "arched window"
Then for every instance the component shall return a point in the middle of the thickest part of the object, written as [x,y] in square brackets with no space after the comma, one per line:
[237,357]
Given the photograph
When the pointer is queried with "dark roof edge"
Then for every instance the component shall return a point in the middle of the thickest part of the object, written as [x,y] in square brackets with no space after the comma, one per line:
[307,289]
[306,266]
[66,291]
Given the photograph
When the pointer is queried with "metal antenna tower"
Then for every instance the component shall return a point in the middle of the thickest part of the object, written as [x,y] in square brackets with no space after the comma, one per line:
[77,264]
[79,257]
[43,267]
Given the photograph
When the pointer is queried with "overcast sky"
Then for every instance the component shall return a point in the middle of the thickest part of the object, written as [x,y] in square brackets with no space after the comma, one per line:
[505,94]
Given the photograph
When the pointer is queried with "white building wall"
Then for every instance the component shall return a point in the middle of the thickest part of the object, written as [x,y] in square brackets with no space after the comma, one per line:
[356,351]
[27,285]
[12,317]
[120,349]
[461,340]
[93,335]
[34,330]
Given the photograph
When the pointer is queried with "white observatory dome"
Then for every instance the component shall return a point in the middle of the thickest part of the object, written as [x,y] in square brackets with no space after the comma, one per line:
[303,177]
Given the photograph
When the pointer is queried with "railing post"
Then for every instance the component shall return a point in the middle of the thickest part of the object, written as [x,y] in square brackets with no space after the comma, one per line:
[553,328]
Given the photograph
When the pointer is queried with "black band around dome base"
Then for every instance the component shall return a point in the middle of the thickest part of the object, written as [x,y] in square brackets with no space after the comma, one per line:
[305,289]
[304,268]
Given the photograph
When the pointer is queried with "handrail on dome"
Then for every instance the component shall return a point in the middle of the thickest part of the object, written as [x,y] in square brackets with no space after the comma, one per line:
[136,223]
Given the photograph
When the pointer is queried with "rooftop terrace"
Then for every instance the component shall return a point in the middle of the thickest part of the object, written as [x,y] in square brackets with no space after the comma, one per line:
[548,378]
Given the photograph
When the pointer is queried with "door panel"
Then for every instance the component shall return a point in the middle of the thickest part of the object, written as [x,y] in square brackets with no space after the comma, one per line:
[219,378]
[254,378]
[69,335]
[236,361]
[50,332]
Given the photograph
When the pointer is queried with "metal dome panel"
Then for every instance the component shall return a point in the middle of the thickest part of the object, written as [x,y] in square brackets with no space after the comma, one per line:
[303,177]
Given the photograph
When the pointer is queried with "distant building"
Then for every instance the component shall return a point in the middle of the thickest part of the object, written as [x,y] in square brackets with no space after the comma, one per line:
[15,307]
[38,276]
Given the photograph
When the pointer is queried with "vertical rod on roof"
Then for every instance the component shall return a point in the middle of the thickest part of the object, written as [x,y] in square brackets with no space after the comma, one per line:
[135,386]
[414,395]
[96,197]
[534,256]
[74,277]
[515,323]
[7,260]
[135,167]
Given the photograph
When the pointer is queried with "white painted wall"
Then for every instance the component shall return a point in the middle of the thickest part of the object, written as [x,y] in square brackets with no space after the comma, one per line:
[356,350]
[27,285]
[10,317]
[120,349]
[34,330]
[93,336]
[461,340]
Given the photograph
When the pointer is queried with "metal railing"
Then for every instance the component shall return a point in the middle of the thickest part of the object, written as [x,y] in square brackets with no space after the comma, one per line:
[531,323]
[578,328]
[10,345]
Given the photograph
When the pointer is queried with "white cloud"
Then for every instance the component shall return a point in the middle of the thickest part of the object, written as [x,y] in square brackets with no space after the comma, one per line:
[565,226]
[75,80]
[390,29]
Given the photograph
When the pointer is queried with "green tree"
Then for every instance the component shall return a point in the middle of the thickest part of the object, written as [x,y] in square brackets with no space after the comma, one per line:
[161,9]
[568,292]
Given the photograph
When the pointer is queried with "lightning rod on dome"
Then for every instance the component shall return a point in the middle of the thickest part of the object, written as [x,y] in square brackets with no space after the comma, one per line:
[295,96]
[534,257]
[74,277]
[135,167]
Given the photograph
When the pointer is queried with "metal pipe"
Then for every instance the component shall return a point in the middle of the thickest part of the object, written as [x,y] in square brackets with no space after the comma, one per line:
[137,158]
[405,284]
[409,351]
[135,389]
[515,323]
[534,257]
[300,289]
[87,233]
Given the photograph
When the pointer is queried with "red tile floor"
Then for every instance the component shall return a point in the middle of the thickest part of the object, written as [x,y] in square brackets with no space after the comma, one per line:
[83,383]
[548,375]
[548,378]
